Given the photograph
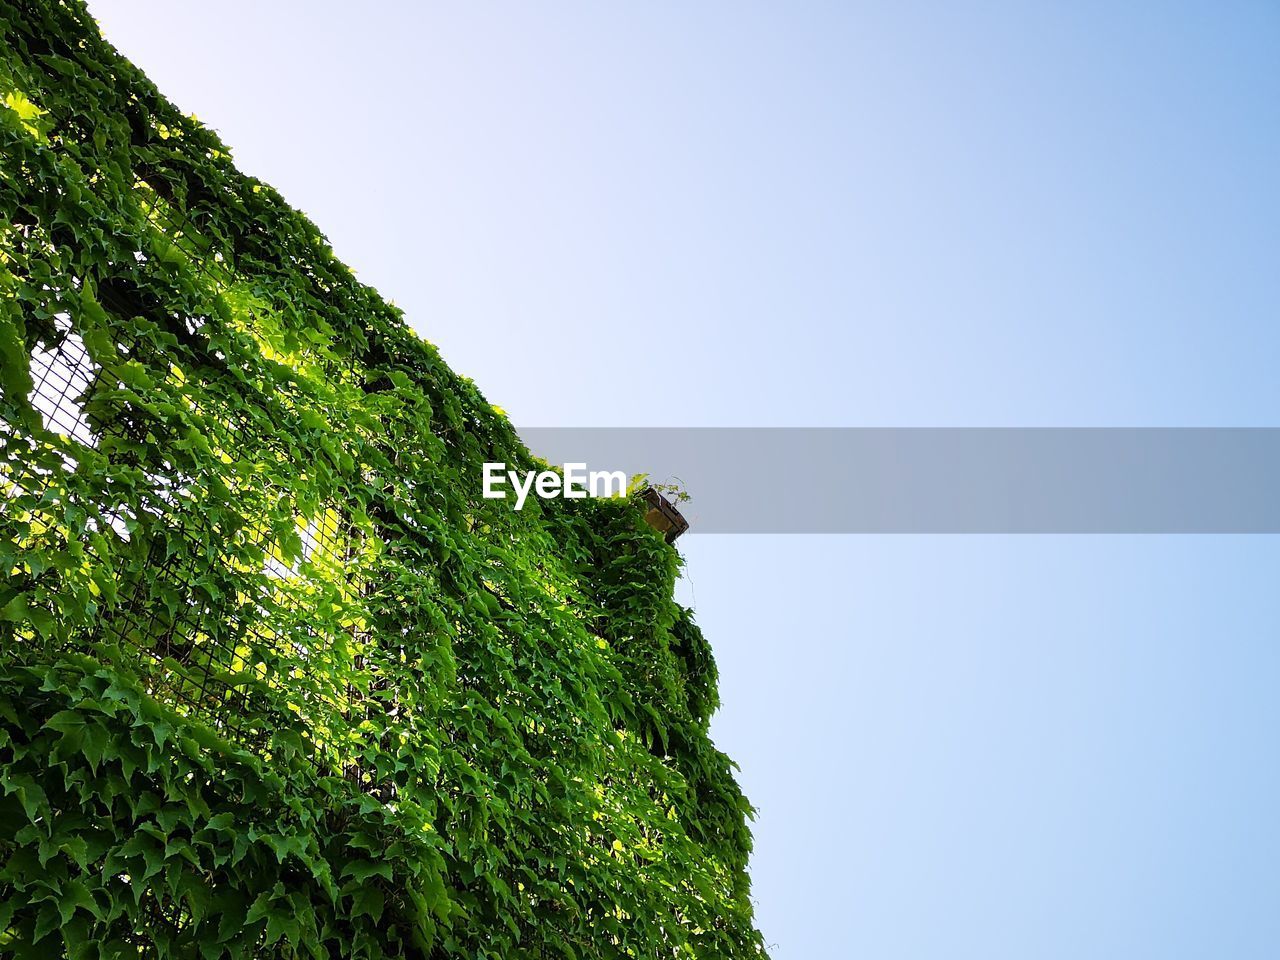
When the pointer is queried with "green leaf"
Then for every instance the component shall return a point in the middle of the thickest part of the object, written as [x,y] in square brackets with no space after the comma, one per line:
[362,870]
[368,901]
[78,850]
[260,908]
[280,923]
[152,853]
[15,365]
[74,895]
[46,920]
[15,611]
[65,721]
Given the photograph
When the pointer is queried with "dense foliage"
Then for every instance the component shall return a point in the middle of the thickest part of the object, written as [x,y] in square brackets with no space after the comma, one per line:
[274,680]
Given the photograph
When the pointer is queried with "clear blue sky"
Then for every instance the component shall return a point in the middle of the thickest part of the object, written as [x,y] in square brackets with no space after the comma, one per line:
[984,214]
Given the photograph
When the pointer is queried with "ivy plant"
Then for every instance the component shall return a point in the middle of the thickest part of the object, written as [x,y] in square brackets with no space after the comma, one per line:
[275,680]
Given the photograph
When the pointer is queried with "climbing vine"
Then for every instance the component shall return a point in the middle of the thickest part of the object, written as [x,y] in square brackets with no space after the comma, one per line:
[275,680]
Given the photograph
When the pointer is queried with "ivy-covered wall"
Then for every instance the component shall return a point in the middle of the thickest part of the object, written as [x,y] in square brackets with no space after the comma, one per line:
[275,680]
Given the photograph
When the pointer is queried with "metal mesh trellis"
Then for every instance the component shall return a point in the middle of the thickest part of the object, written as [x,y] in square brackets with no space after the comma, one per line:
[161,612]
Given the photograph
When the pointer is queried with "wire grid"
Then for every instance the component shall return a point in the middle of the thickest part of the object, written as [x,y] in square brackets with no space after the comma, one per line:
[63,374]
[163,614]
